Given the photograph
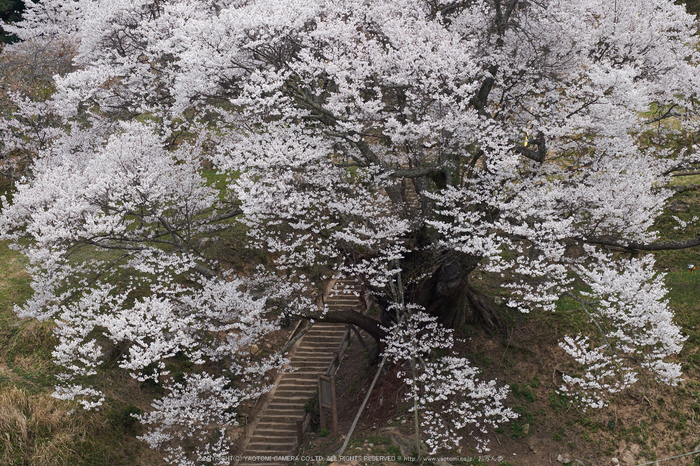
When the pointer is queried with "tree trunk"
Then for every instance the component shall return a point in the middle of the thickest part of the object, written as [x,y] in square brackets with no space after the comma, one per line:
[445,293]
[448,295]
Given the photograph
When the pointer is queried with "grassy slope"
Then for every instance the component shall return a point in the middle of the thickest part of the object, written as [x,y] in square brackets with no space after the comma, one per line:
[46,431]
[36,428]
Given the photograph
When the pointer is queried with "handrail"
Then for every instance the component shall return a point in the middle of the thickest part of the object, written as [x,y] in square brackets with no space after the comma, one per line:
[338,355]
[294,332]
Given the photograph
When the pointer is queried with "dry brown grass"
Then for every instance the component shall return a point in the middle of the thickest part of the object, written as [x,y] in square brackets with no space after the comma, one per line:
[37,428]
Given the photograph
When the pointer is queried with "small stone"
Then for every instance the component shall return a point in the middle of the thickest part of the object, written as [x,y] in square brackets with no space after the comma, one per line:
[403,421]
[560,458]
[254,349]
[635,449]
[628,458]
[564,459]
[370,445]
[678,206]
[614,461]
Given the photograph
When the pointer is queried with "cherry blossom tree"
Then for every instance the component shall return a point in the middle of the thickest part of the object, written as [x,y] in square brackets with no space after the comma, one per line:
[406,143]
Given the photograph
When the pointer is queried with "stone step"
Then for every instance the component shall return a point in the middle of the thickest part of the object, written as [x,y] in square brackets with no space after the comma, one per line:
[305,375]
[320,341]
[293,380]
[264,446]
[330,332]
[280,418]
[320,345]
[299,397]
[282,430]
[285,425]
[272,440]
[312,356]
[284,409]
[312,359]
[314,370]
[327,333]
[311,353]
[302,366]
[275,426]
[291,384]
[287,389]
[279,422]
[303,382]
[327,349]
[311,379]
[323,340]
[319,368]
[335,338]
[289,395]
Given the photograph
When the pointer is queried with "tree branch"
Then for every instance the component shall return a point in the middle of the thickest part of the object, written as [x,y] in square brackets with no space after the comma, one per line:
[633,245]
[537,156]
[353,317]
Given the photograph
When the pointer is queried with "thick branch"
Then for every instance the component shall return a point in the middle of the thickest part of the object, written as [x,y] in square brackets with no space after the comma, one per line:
[223,216]
[538,155]
[664,115]
[417,172]
[481,98]
[352,317]
[633,245]
[440,176]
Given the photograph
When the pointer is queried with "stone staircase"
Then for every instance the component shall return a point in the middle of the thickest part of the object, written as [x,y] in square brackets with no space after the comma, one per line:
[275,434]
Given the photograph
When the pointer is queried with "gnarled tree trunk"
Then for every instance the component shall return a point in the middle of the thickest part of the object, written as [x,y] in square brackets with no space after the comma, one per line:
[447,294]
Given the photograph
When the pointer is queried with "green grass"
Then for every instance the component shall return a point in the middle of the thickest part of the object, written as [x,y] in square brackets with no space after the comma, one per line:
[37,428]
[685,180]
